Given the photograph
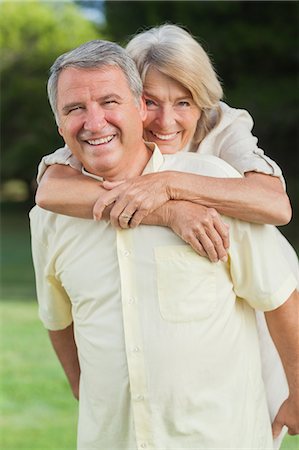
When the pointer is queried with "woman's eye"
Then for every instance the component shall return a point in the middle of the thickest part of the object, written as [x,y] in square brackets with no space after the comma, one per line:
[184,103]
[149,102]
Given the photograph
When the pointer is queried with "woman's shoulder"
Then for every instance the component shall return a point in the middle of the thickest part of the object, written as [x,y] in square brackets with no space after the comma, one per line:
[233,116]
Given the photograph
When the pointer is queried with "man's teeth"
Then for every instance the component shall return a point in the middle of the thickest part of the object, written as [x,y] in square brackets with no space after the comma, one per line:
[100,141]
[165,137]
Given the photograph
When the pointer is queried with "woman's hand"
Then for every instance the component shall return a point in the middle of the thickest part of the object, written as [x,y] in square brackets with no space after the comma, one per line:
[132,200]
[201,227]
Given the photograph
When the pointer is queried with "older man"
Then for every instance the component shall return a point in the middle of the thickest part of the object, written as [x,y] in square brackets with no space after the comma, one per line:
[165,351]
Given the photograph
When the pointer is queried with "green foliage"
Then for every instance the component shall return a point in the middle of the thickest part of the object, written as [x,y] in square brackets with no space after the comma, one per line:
[32,35]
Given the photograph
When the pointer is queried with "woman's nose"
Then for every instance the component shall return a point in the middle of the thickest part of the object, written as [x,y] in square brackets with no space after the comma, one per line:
[166,118]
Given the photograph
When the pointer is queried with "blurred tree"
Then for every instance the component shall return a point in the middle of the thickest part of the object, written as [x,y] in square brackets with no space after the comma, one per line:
[254,47]
[32,35]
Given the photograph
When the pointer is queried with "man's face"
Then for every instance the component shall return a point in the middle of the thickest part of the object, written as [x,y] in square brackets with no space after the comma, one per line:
[100,120]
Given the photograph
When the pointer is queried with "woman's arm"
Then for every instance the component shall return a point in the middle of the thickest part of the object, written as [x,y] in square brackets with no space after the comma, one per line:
[283,326]
[65,190]
[254,198]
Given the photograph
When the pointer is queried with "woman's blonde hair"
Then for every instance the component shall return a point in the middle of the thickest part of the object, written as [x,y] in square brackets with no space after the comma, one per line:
[175,53]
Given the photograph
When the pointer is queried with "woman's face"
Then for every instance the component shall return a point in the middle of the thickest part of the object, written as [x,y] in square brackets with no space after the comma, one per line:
[172,115]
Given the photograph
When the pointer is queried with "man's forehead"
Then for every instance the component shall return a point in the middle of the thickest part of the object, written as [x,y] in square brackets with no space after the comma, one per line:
[78,75]
[103,80]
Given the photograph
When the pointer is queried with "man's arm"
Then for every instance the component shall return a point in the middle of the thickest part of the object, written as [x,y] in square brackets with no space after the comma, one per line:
[283,324]
[65,347]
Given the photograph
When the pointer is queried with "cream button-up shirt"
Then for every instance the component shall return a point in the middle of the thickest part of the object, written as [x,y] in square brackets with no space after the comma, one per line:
[167,340]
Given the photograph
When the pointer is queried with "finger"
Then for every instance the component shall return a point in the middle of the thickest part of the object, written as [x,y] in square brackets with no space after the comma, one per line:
[276,428]
[218,244]
[197,247]
[223,231]
[124,220]
[106,199]
[100,205]
[208,246]
[221,227]
[121,213]
[137,218]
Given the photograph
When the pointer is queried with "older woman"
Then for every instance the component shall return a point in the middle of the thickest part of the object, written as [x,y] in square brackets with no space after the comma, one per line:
[182,94]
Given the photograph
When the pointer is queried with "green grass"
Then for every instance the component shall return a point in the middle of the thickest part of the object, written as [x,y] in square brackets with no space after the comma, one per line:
[17,276]
[37,408]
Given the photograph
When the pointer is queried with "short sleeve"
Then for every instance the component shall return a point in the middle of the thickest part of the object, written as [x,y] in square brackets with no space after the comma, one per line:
[54,305]
[232,140]
[61,156]
[260,273]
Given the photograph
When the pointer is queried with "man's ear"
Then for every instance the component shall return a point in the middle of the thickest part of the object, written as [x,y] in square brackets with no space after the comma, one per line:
[143,109]
[60,131]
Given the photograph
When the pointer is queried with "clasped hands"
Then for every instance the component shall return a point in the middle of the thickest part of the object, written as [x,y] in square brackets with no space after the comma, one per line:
[150,199]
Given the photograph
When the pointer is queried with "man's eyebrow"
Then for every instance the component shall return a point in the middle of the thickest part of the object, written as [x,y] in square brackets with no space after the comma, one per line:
[109,96]
[104,98]
[69,106]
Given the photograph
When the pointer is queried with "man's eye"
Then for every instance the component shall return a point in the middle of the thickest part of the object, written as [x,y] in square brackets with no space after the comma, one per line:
[74,108]
[110,102]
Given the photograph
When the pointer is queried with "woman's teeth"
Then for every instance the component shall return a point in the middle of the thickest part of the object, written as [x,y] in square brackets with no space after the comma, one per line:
[165,137]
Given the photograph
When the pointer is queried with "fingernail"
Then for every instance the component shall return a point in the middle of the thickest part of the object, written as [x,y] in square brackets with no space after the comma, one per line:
[224,259]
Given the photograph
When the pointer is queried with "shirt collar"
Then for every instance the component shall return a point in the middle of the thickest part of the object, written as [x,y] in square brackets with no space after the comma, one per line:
[153,164]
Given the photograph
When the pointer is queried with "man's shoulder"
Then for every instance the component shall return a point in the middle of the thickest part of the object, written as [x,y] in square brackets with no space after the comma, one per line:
[207,165]
[41,221]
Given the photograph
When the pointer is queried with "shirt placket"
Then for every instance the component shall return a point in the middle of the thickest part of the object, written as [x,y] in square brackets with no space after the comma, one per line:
[133,341]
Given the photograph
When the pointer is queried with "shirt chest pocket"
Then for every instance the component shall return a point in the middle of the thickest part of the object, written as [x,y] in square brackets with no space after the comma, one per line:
[186,284]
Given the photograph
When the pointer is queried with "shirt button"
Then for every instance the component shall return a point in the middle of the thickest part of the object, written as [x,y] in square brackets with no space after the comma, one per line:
[126,253]
[131,300]
[139,398]
[143,445]
[136,349]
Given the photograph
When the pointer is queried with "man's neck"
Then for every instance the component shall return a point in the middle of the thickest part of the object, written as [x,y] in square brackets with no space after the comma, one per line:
[128,171]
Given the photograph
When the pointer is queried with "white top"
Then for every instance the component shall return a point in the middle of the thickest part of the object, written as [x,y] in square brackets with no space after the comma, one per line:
[231,140]
[168,350]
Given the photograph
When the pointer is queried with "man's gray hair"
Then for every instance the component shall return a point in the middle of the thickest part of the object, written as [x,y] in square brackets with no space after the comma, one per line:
[91,55]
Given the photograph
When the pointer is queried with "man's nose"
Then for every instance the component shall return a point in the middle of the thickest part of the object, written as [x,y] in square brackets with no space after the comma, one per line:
[95,119]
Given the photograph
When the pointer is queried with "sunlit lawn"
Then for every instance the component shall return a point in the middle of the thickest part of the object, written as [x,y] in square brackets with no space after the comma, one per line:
[37,408]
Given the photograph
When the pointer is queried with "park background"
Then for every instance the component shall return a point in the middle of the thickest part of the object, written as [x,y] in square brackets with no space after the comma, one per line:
[254,47]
